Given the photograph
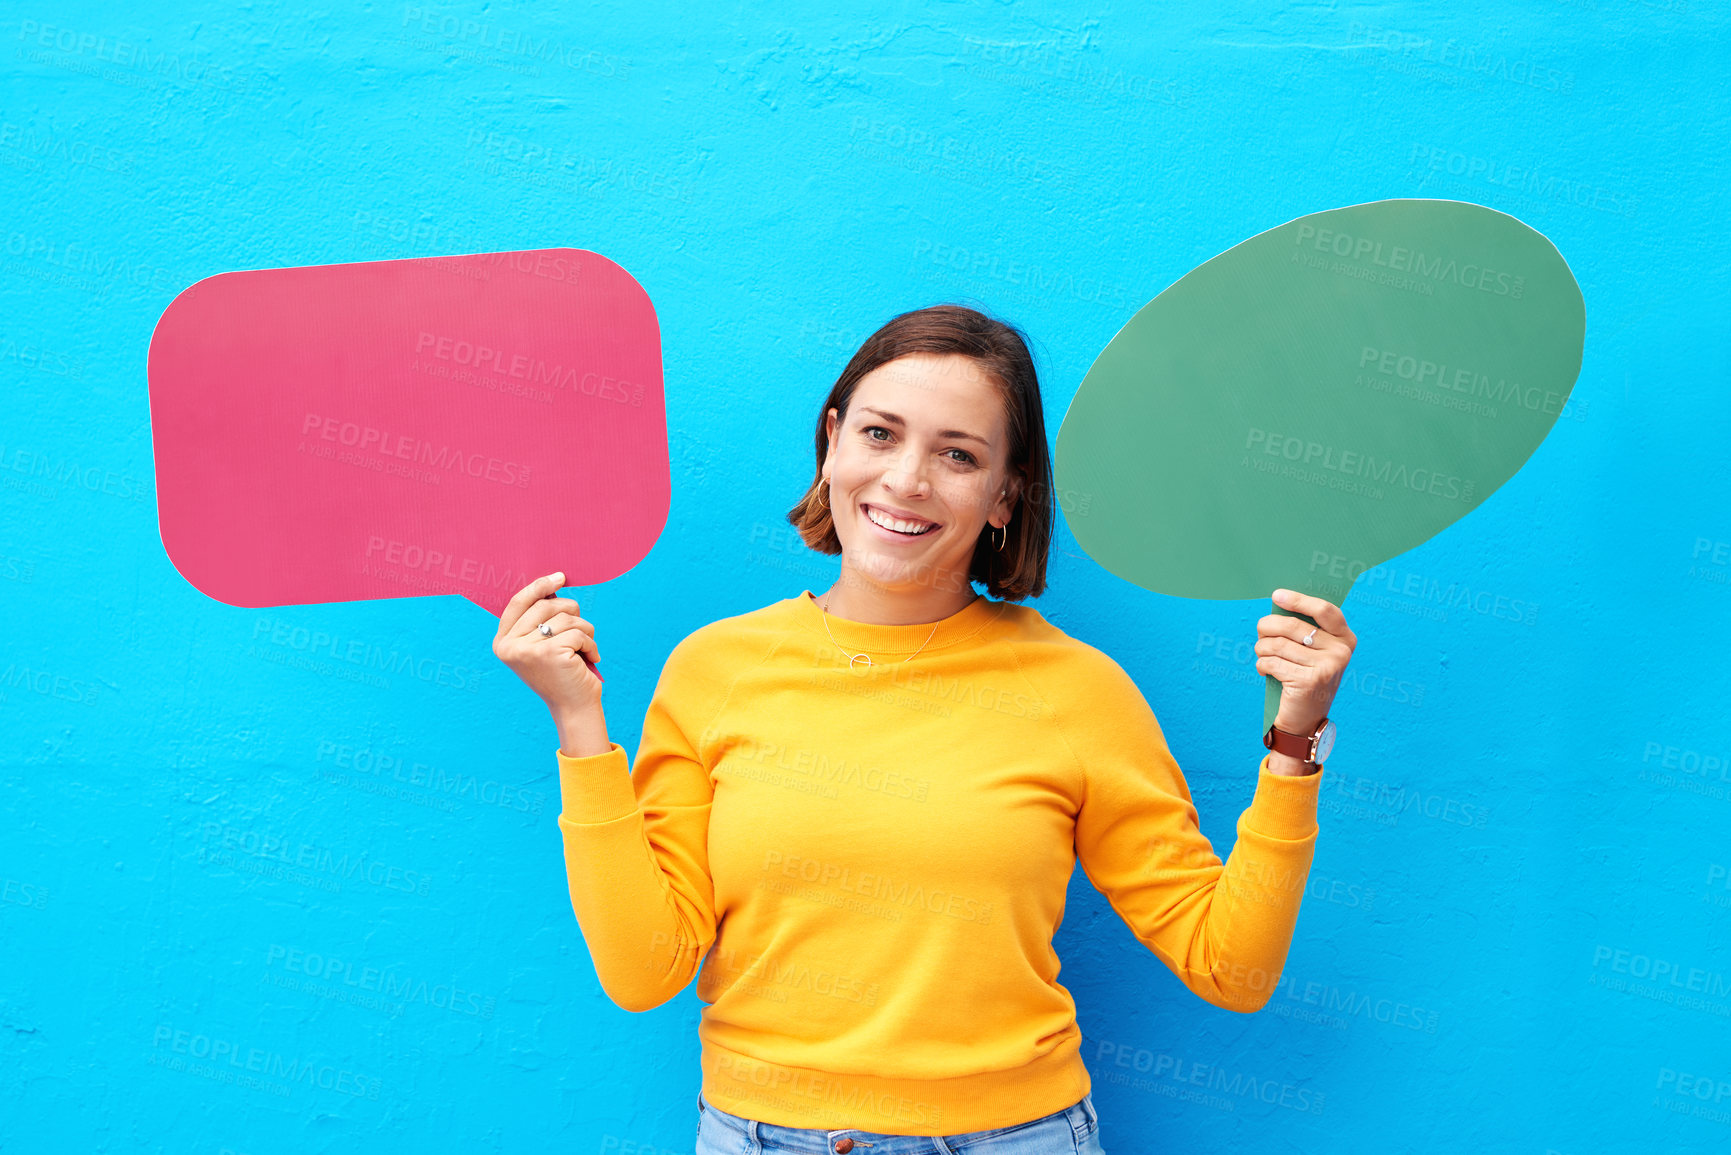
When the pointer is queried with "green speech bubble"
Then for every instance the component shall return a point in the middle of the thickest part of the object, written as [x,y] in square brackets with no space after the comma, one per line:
[1320,398]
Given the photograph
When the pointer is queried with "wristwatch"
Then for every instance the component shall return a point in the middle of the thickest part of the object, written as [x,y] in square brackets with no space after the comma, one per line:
[1311,749]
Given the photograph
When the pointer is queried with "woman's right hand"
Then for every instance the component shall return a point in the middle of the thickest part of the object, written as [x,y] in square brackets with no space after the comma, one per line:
[553,666]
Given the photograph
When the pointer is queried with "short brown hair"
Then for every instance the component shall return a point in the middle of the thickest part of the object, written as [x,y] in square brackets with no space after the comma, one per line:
[1019,569]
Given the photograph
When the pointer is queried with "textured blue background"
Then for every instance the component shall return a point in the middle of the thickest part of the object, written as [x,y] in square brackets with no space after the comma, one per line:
[1515,935]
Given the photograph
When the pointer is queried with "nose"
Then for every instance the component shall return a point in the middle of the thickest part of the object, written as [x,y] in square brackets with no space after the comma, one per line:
[908,474]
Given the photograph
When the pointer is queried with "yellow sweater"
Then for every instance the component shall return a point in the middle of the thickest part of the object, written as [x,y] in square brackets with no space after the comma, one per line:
[879,857]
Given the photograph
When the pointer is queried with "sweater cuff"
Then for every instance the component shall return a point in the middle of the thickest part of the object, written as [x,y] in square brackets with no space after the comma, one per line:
[596,788]
[1285,804]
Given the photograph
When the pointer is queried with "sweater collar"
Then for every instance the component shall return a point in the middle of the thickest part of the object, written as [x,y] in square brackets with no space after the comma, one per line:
[878,640]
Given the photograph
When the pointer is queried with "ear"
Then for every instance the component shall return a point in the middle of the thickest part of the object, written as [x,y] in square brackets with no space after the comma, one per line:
[1006,500]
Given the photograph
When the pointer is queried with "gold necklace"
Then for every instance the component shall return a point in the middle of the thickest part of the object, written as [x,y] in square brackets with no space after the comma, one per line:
[853,659]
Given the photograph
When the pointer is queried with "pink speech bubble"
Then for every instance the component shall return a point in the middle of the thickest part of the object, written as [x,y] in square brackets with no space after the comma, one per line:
[444,425]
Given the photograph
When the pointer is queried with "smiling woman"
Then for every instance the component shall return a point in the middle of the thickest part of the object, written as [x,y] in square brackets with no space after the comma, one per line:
[854,819]
[935,421]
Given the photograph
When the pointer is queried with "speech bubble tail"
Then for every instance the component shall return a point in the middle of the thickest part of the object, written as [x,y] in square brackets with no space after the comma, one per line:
[1270,700]
[1271,684]
[493,603]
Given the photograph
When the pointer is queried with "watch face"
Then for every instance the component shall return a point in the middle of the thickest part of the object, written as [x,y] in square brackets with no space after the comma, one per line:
[1324,743]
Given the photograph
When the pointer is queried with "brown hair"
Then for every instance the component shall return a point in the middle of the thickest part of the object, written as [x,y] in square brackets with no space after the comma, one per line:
[1019,569]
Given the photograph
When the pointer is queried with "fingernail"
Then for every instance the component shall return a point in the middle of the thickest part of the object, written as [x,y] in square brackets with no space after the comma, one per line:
[559,576]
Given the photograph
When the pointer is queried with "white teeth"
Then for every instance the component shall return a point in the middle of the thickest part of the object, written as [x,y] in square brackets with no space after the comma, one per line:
[912,528]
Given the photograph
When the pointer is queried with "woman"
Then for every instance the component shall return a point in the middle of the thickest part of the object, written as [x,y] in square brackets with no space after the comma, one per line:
[869,803]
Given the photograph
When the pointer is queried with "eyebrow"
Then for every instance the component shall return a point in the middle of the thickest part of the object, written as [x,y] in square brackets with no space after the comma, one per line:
[962,433]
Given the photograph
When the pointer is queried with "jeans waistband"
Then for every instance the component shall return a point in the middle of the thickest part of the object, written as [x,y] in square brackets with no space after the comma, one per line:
[816,1141]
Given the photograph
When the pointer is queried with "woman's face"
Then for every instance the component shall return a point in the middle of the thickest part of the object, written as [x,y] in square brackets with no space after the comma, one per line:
[925,442]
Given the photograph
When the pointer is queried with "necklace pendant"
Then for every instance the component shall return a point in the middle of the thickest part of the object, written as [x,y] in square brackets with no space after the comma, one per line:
[854,660]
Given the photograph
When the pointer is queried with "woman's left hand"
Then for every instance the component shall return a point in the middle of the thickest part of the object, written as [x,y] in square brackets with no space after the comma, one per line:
[1308,674]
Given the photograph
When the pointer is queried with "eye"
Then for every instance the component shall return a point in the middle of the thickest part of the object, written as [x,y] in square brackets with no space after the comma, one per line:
[966,458]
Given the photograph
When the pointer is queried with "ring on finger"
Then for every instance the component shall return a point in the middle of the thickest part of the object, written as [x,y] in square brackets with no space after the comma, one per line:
[546,629]
[1306,638]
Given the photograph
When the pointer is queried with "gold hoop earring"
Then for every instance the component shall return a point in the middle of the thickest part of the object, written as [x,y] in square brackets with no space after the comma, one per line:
[1003,529]
[822,495]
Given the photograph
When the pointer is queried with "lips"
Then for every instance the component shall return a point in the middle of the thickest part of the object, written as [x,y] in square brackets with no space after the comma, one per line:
[926,526]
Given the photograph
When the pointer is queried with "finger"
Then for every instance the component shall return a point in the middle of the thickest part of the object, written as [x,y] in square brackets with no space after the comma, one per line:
[575,642]
[1279,669]
[1282,626]
[542,612]
[560,622]
[1325,613]
[1294,652]
[526,597]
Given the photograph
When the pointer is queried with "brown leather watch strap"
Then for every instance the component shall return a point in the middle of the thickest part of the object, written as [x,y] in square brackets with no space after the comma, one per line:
[1292,745]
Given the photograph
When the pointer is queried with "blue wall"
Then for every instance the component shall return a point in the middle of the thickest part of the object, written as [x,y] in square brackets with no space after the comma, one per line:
[1516,931]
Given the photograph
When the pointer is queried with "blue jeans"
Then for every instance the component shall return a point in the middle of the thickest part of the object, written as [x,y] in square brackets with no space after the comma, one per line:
[1073,1131]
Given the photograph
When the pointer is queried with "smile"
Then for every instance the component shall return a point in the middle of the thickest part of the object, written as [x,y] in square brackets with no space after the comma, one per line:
[898,526]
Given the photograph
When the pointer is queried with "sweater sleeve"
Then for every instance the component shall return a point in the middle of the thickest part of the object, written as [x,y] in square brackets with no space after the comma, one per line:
[1223,928]
[636,843]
